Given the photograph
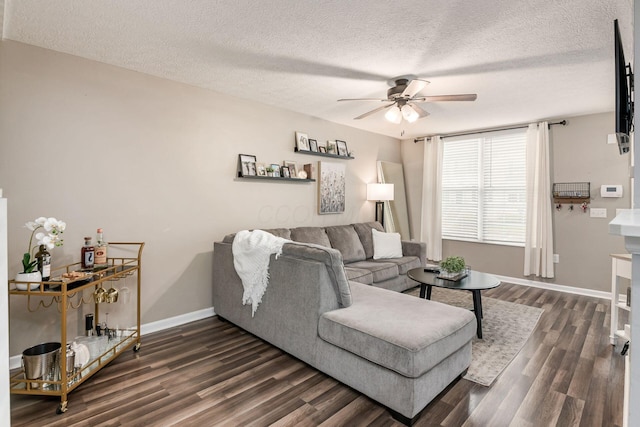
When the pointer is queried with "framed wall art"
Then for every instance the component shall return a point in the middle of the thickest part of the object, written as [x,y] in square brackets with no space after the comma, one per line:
[342,148]
[247,164]
[331,188]
[302,141]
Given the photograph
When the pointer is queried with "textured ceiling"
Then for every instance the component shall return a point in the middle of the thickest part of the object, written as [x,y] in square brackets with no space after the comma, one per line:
[526,60]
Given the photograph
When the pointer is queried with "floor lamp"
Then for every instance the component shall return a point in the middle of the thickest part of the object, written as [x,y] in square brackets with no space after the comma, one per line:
[380,193]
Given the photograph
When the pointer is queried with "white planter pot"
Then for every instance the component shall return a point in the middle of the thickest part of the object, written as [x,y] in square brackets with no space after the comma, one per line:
[35,278]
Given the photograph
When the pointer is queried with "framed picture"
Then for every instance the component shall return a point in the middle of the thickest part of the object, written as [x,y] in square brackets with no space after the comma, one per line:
[342,148]
[276,169]
[331,188]
[285,172]
[302,141]
[293,169]
[322,149]
[247,164]
[331,147]
[261,169]
[313,145]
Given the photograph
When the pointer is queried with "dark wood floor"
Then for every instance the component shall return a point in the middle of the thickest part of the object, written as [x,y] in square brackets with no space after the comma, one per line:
[210,373]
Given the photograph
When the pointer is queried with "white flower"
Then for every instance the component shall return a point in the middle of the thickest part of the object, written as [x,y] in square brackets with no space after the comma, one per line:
[51,239]
[31,225]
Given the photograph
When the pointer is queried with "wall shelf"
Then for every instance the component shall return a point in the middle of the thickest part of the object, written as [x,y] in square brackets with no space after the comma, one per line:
[317,153]
[272,178]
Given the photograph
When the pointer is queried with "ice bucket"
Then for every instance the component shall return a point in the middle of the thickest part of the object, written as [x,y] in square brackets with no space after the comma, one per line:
[41,361]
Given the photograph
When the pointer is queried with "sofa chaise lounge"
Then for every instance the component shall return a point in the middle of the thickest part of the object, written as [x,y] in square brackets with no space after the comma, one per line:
[342,314]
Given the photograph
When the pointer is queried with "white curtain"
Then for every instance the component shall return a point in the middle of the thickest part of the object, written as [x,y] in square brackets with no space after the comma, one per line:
[431,222]
[538,249]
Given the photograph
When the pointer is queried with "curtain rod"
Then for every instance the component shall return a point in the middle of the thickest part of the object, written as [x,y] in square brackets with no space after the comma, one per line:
[422,138]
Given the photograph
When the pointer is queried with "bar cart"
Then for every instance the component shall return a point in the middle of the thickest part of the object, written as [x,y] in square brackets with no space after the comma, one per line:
[67,284]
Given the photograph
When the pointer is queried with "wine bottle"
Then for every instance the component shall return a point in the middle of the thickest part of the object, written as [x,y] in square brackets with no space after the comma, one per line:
[44,263]
[101,250]
[88,254]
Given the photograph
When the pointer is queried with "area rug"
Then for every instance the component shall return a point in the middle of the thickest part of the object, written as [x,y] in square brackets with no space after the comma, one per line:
[506,326]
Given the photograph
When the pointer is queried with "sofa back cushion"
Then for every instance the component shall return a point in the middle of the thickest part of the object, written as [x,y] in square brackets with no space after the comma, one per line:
[364,233]
[345,239]
[315,235]
[279,232]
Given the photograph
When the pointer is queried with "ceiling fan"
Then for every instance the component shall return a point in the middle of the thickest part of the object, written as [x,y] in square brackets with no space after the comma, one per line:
[404,96]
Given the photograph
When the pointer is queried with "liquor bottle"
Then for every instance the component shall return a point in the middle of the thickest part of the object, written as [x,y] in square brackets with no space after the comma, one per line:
[44,262]
[88,253]
[101,250]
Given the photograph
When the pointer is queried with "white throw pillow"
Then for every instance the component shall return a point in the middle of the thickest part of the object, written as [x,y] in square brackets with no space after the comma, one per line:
[386,245]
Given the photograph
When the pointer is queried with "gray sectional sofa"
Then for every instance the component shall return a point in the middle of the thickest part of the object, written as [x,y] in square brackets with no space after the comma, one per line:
[331,305]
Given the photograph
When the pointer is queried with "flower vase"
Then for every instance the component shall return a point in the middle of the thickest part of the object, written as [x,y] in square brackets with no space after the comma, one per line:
[33,278]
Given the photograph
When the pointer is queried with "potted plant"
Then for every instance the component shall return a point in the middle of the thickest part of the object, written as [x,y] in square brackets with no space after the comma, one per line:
[452,266]
[50,239]
[269,171]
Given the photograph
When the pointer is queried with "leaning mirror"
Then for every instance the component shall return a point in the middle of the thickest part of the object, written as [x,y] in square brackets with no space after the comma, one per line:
[396,217]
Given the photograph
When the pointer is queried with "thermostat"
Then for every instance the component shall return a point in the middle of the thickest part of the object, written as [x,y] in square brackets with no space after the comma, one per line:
[611,191]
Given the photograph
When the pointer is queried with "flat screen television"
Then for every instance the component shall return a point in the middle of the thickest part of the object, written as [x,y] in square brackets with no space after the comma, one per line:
[624,93]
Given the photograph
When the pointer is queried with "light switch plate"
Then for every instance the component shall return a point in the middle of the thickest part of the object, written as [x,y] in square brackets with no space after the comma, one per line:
[598,212]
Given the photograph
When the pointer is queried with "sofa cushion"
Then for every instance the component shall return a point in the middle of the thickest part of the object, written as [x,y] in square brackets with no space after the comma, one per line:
[359,275]
[364,233]
[380,270]
[315,235]
[279,232]
[404,263]
[373,329]
[345,239]
[386,245]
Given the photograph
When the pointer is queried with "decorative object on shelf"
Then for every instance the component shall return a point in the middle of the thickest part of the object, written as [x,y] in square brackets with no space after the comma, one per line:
[100,260]
[54,228]
[313,145]
[331,191]
[293,168]
[43,258]
[261,170]
[269,171]
[276,169]
[302,141]
[322,149]
[247,164]
[302,174]
[380,193]
[452,268]
[87,254]
[34,278]
[342,148]
[310,170]
[331,147]
[285,172]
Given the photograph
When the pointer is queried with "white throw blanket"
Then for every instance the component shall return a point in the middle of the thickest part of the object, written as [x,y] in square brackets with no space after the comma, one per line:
[251,253]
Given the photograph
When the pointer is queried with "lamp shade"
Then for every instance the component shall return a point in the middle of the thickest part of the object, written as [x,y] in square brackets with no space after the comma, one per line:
[379,192]
[394,115]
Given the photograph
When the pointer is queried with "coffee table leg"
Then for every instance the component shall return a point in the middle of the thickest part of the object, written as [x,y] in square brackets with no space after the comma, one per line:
[477,308]
[429,291]
[424,288]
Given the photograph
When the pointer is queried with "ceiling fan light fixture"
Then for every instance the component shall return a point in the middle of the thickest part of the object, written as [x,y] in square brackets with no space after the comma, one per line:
[394,115]
[409,114]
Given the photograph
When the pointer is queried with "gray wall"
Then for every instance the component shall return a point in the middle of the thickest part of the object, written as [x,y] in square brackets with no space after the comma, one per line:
[579,153]
[150,160]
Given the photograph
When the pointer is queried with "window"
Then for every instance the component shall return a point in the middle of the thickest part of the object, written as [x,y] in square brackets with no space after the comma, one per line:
[484,188]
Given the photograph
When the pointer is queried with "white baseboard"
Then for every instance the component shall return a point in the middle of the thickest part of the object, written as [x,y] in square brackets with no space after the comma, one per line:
[159,325]
[555,287]
[148,328]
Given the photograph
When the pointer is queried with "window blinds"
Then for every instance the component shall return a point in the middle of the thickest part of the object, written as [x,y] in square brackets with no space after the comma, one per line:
[484,188]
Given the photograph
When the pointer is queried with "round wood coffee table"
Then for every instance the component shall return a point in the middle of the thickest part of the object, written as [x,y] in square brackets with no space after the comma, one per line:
[474,282]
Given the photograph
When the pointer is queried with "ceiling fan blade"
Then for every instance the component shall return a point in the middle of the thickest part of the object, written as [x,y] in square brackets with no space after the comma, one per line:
[438,98]
[418,109]
[414,87]
[373,111]
[363,99]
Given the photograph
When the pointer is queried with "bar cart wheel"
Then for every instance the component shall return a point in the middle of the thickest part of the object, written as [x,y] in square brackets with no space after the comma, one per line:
[136,348]
[62,408]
